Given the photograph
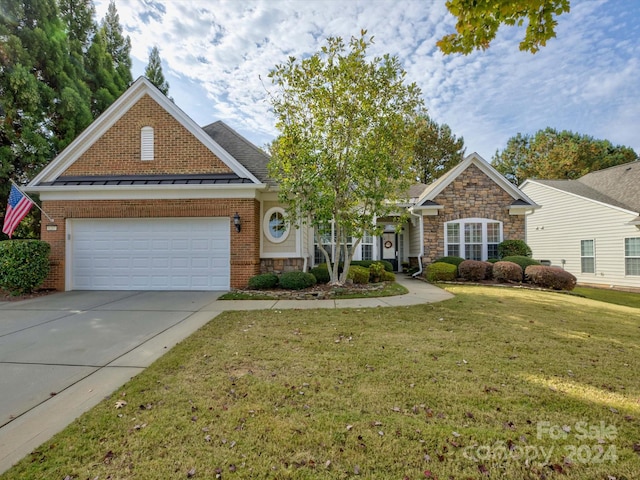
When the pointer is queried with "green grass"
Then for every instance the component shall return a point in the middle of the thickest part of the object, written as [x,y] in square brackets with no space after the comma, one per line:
[460,389]
[617,297]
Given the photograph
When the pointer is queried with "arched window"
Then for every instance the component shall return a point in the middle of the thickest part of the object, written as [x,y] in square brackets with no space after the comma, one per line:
[146,143]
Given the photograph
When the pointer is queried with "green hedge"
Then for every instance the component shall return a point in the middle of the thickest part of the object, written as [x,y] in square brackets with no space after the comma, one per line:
[358,274]
[297,280]
[388,266]
[24,265]
[321,272]
[263,281]
[524,262]
[441,271]
[510,248]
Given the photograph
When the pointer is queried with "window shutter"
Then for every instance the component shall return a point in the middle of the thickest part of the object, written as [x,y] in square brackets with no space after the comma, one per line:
[146,143]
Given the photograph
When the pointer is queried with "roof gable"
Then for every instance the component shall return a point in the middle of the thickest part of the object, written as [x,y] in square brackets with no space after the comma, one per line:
[432,191]
[135,94]
[615,186]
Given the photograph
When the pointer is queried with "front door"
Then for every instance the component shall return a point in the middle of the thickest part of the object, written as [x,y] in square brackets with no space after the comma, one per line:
[390,249]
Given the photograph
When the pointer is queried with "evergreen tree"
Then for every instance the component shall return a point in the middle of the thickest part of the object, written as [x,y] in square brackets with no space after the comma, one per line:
[118,46]
[154,71]
[78,18]
[102,77]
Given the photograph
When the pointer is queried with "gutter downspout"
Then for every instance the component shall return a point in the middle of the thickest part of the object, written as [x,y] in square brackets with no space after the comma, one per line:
[419,272]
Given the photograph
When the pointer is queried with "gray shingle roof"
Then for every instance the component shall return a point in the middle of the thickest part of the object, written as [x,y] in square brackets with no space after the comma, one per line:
[618,186]
[245,152]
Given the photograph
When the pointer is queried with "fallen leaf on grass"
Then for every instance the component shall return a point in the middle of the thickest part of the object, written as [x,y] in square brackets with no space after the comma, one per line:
[120,404]
[191,473]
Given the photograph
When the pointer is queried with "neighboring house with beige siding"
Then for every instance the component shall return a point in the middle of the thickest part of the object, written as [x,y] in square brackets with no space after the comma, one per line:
[589,226]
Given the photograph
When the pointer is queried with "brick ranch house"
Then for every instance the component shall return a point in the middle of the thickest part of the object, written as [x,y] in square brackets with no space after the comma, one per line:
[145,199]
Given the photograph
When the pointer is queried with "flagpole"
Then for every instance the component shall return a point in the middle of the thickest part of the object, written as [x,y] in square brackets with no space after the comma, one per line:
[38,206]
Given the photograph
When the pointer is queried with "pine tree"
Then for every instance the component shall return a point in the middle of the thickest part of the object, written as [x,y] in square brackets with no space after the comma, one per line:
[118,46]
[154,71]
[436,150]
[78,18]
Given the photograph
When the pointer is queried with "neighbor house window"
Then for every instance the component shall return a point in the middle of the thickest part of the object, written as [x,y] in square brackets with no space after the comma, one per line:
[275,227]
[473,238]
[146,143]
[632,256]
[587,256]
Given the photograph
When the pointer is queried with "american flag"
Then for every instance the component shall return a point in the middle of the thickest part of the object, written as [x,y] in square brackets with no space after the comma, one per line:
[17,208]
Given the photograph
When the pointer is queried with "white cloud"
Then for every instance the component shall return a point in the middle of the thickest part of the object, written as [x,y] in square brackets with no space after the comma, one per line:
[586,80]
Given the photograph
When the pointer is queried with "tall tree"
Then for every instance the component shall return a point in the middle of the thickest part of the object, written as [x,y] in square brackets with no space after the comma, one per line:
[154,71]
[436,150]
[345,143]
[117,45]
[550,154]
[78,18]
[479,21]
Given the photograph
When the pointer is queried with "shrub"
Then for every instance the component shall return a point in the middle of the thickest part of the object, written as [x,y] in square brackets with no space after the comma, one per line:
[388,266]
[376,270]
[488,270]
[321,272]
[509,248]
[24,264]
[450,260]
[263,281]
[472,270]
[507,272]
[440,271]
[388,276]
[550,277]
[358,274]
[524,262]
[297,280]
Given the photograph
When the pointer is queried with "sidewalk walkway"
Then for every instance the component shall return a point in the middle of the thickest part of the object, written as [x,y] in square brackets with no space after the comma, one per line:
[85,345]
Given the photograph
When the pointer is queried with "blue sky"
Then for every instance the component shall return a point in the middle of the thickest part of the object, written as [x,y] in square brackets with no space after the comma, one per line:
[214,52]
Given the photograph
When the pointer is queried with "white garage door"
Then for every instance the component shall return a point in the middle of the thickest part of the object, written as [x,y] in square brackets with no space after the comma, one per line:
[149,254]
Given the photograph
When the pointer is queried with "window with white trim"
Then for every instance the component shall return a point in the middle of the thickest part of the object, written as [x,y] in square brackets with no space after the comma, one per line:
[472,238]
[587,256]
[632,256]
[367,247]
[275,226]
[146,143]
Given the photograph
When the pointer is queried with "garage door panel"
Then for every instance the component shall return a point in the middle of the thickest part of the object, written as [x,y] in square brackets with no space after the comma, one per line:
[150,254]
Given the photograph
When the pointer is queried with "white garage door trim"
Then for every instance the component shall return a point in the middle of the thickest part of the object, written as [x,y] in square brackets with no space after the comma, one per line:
[190,253]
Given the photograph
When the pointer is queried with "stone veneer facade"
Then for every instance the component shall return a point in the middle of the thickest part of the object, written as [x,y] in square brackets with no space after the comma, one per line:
[470,195]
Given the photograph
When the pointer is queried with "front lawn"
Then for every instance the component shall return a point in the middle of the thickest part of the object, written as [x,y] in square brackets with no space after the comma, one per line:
[618,297]
[494,383]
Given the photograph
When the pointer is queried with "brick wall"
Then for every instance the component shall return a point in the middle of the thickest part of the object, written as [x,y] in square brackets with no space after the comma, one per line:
[471,195]
[176,150]
[245,245]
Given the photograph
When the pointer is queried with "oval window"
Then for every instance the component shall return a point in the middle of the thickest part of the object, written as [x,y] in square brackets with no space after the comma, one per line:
[276,227]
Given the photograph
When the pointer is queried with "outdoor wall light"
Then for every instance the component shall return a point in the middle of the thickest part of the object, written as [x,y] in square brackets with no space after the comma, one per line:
[236,222]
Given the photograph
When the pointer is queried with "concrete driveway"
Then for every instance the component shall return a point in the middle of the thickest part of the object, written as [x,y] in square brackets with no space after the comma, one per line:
[63,353]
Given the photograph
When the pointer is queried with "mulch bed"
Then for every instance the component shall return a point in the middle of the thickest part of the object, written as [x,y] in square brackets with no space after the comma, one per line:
[7,297]
[317,292]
